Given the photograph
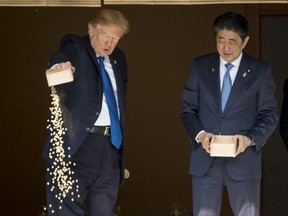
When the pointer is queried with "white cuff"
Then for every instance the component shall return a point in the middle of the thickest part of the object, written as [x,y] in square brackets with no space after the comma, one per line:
[196,138]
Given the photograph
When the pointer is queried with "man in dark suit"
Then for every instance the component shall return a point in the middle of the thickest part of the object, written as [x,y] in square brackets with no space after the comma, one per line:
[250,115]
[84,156]
[284,115]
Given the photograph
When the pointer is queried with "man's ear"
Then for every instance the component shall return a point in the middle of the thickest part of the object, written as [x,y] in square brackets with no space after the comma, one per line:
[90,30]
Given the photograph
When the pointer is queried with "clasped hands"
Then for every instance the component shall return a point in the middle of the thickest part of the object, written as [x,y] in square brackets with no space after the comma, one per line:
[205,139]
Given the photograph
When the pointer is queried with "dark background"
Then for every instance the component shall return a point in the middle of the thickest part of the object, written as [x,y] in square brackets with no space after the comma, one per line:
[157,147]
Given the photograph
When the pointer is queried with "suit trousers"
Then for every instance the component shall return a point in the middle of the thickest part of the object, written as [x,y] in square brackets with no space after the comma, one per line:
[97,171]
[244,196]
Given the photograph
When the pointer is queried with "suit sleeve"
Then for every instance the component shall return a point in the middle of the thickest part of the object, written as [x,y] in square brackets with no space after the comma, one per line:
[190,105]
[69,50]
[267,114]
[284,115]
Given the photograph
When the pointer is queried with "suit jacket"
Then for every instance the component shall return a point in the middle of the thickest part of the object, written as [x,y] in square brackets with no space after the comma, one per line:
[251,110]
[81,100]
[284,115]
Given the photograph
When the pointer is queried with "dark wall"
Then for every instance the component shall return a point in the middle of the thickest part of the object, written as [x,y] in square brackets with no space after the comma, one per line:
[274,36]
[160,47]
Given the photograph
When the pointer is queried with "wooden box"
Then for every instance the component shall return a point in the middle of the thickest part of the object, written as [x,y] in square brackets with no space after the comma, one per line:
[223,146]
[58,76]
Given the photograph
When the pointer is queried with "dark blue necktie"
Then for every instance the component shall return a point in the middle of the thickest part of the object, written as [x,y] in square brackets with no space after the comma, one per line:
[227,85]
[116,134]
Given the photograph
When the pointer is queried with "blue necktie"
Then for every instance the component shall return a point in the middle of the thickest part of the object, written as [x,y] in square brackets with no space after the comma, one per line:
[116,134]
[227,85]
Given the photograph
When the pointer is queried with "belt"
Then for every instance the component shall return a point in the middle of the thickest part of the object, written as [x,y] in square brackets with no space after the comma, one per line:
[104,130]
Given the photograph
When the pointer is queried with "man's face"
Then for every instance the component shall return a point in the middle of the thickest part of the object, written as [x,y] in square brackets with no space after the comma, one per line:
[230,44]
[104,39]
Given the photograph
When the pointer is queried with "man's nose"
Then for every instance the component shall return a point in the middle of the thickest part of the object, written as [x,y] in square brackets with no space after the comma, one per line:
[109,41]
[226,46]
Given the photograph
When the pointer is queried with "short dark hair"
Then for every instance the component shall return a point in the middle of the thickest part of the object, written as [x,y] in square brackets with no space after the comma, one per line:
[232,22]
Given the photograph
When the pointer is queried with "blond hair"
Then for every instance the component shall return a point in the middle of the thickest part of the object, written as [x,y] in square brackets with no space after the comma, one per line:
[106,17]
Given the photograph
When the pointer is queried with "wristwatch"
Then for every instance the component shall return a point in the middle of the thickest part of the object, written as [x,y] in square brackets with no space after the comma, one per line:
[251,142]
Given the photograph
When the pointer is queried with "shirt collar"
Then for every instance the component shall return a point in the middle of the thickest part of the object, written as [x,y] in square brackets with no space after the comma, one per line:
[236,62]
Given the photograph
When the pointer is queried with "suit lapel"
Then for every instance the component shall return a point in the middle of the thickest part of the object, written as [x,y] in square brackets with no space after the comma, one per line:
[119,83]
[214,75]
[245,68]
[91,53]
[98,86]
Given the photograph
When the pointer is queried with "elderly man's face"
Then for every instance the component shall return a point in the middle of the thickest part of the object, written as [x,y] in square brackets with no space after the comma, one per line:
[104,39]
[230,44]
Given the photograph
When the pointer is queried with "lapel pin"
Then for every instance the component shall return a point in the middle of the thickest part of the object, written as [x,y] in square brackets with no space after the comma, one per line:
[245,73]
[212,69]
[115,62]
